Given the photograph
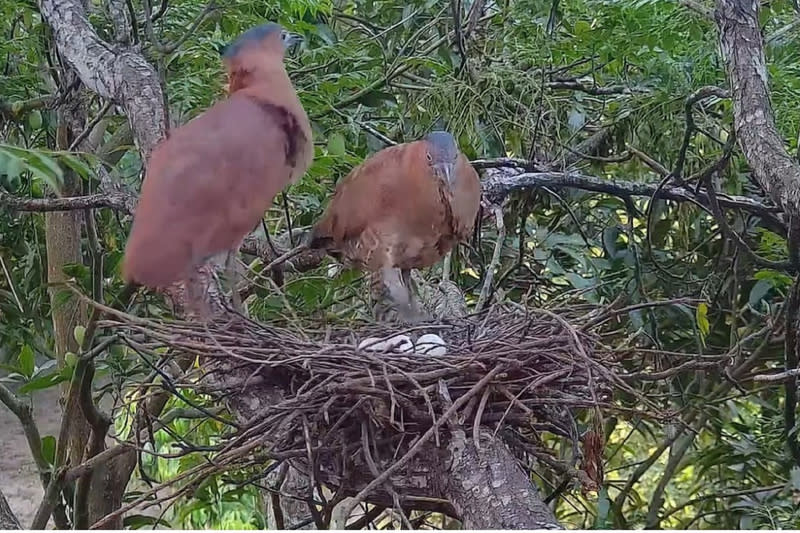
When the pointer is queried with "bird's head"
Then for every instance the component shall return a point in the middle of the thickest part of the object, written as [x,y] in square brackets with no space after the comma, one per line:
[442,154]
[270,38]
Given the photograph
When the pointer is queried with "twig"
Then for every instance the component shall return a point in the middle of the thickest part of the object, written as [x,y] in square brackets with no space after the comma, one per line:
[575,85]
[495,262]
[24,413]
[49,501]
[89,127]
[649,161]
[476,424]
[207,10]
[420,441]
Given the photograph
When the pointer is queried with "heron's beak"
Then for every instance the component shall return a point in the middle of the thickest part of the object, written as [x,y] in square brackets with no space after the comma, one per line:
[294,38]
[291,41]
[446,172]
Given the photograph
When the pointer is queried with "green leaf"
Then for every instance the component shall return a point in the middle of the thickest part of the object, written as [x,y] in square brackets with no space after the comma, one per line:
[49,449]
[27,361]
[78,166]
[578,281]
[14,166]
[78,334]
[46,169]
[759,290]
[610,236]
[581,28]
[701,316]
[45,381]
[35,119]
[336,144]
[140,521]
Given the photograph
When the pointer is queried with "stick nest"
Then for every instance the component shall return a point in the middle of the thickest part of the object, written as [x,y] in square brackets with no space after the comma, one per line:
[307,393]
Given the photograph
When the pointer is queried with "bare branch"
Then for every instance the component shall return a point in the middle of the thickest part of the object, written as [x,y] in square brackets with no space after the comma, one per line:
[495,262]
[118,201]
[121,20]
[15,110]
[499,185]
[698,95]
[576,85]
[780,376]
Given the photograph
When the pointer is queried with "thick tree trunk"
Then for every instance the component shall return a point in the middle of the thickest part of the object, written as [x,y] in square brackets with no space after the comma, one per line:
[743,50]
[488,488]
[63,242]
[775,170]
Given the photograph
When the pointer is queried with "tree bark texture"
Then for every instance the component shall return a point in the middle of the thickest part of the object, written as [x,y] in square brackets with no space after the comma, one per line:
[116,73]
[63,243]
[125,77]
[8,520]
[489,489]
[743,50]
[775,170]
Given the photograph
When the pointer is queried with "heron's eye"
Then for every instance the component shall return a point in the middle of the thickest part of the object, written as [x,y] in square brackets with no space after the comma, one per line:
[428,155]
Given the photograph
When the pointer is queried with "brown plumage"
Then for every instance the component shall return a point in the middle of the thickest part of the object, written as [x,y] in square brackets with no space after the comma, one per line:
[405,207]
[209,183]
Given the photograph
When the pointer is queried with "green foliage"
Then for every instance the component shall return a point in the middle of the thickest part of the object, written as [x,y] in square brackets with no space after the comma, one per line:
[381,66]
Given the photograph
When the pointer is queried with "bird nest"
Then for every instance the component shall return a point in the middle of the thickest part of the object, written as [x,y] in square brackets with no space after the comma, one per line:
[312,394]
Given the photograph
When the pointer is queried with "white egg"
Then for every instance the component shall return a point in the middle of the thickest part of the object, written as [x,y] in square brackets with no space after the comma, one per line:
[400,343]
[371,344]
[431,344]
[334,269]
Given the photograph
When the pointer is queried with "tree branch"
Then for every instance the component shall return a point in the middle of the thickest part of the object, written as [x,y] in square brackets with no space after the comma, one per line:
[15,110]
[117,200]
[498,185]
[8,520]
[576,85]
[508,499]
[121,75]
[24,413]
[743,50]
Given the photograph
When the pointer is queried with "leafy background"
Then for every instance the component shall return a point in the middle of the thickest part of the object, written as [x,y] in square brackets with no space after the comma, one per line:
[384,66]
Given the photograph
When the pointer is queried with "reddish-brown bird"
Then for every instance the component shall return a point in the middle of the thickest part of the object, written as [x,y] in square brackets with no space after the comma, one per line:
[405,207]
[209,183]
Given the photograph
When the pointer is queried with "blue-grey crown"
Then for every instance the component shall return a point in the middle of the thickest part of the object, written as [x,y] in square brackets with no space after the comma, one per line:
[443,144]
[253,35]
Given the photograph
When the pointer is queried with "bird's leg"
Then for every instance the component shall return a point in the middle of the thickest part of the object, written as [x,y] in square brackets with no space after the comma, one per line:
[378,294]
[413,296]
[232,276]
[393,279]
[196,304]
